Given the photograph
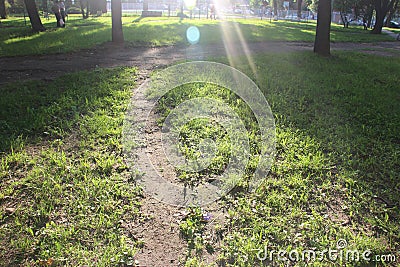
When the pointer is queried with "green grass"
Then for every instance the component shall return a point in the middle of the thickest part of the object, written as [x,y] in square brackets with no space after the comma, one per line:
[337,159]
[65,189]
[202,128]
[17,39]
[337,155]
[392,30]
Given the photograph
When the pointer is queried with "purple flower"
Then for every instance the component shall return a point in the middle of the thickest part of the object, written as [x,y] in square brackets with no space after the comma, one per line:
[206,216]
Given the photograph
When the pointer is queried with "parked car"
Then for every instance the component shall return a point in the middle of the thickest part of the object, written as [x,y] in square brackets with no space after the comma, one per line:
[356,22]
[74,10]
[394,24]
[292,17]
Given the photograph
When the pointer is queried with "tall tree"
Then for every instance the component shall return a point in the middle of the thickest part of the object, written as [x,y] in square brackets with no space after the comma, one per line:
[116,14]
[3,13]
[299,4]
[33,14]
[322,44]
[98,5]
[344,7]
[45,6]
[275,2]
[382,7]
[85,5]
[392,12]
[145,5]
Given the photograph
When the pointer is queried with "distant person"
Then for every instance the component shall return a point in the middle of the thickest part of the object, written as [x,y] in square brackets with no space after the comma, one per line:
[56,10]
[365,23]
[62,11]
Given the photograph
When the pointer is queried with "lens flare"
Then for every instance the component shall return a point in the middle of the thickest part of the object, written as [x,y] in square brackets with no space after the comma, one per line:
[193,35]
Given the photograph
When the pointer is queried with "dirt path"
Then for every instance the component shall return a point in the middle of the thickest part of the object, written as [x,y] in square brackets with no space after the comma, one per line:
[159,226]
[48,67]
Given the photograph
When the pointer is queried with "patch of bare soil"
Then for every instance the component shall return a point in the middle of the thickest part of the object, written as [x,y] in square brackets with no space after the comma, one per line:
[48,67]
[159,226]
[163,244]
[159,231]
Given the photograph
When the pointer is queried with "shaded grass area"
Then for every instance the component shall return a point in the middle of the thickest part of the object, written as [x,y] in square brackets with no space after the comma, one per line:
[65,189]
[336,172]
[79,34]
[17,39]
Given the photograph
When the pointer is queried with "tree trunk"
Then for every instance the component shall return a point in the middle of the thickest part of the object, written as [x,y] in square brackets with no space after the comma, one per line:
[84,5]
[116,14]
[98,5]
[104,6]
[82,9]
[379,22]
[382,7]
[392,12]
[44,6]
[322,45]
[344,20]
[145,5]
[33,14]
[299,4]
[87,9]
[275,8]
[369,16]
[3,13]
[356,11]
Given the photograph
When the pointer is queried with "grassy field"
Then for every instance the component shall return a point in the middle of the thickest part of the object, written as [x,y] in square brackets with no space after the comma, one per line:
[336,173]
[17,39]
[65,190]
[337,161]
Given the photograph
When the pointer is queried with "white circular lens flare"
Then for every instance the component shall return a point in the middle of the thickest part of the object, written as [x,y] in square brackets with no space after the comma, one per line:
[218,111]
[139,118]
[193,35]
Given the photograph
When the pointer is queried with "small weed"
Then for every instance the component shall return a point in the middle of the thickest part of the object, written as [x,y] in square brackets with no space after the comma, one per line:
[193,229]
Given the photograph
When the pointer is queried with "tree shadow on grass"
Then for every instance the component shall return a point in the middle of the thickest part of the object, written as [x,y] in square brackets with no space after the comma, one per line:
[36,110]
[346,104]
[349,104]
[77,35]
[337,128]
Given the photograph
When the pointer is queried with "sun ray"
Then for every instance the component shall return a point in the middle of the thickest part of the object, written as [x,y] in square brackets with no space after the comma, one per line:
[231,35]
[245,48]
